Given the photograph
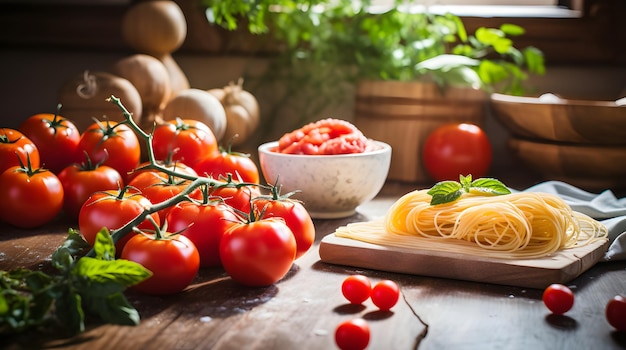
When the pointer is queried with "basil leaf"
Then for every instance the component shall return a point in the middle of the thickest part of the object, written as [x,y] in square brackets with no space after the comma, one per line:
[449,191]
[104,247]
[122,272]
[445,192]
[69,311]
[444,188]
[445,198]
[114,309]
[489,186]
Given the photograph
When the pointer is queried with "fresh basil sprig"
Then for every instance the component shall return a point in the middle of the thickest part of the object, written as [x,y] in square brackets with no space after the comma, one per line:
[83,286]
[449,191]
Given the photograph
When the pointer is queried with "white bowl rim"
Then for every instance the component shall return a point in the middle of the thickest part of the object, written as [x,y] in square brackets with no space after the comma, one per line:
[265,148]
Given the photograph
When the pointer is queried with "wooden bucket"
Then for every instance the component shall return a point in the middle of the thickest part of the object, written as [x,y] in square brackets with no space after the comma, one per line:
[403,114]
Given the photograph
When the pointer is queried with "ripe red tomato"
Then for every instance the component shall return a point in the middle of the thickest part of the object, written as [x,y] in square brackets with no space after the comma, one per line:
[113,209]
[30,198]
[385,294]
[258,253]
[238,197]
[295,216]
[176,166]
[113,144]
[616,313]
[356,288]
[80,181]
[558,298]
[457,149]
[14,144]
[173,260]
[56,139]
[220,164]
[185,140]
[159,187]
[353,334]
[204,224]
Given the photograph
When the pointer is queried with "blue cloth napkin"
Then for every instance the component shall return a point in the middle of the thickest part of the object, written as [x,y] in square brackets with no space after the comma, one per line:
[604,207]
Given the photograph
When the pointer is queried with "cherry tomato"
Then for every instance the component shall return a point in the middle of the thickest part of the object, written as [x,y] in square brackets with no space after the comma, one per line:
[457,149]
[558,298]
[173,260]
[294,214]
[385,294]
[204,224]
[113,144]
[113,209]
[14,146]
[159,187]
[353,334]
[258,253]
[80,181]
[184,140]
[29,198]
[356,288]
[616,313]
[220,164]
[56,139]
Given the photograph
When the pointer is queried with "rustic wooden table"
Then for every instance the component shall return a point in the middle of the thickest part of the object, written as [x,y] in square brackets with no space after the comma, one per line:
[302,310]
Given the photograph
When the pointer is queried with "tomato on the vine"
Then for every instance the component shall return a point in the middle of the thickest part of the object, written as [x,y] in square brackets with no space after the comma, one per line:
[184,140]
[175,166]
[236,195]
[258,253]
[113,209]
[385,294]
[113,144]
[82,180]
[558,298]
[220,164]
[16,147]
[293,212]
[352,334]
[56,139]
[454,149]
[159,187]
[173,260]
[356,288]
[30,197]
[204,224]
[616,313]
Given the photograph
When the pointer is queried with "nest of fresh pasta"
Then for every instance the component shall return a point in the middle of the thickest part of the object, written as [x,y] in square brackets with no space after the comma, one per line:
[480,221]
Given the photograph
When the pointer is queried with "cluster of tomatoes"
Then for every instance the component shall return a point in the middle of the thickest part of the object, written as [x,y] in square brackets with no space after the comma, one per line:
[354,334]
[201,206]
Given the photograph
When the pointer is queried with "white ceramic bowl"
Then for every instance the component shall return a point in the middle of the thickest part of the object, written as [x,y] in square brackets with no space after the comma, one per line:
[331,186]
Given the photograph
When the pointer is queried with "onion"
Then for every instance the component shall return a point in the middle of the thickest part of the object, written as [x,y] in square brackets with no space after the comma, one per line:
[152,81]
[158,28]
[84,98]
[242,111]
[198,105]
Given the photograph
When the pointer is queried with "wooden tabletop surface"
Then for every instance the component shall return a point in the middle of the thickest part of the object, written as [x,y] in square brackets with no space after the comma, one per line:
[302,310]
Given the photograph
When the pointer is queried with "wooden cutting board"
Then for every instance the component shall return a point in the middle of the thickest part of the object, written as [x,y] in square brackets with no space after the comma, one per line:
[561,267]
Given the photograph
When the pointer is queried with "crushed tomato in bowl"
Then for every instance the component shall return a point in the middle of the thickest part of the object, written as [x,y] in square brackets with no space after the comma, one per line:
[324,137]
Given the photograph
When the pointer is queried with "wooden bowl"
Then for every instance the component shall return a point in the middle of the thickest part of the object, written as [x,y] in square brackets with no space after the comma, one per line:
[562,120]
[585,166]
